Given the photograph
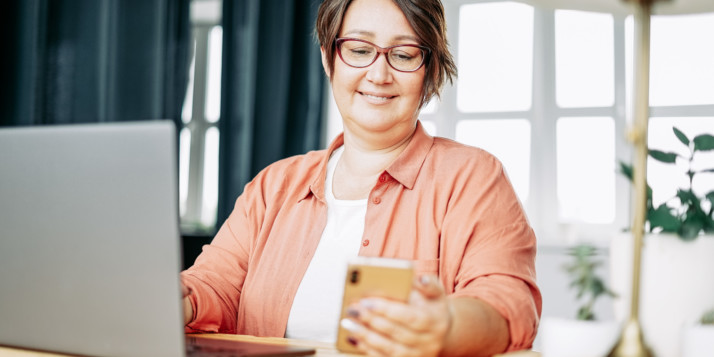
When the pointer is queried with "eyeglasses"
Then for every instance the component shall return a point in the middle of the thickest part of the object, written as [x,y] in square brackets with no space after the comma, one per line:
[360,53]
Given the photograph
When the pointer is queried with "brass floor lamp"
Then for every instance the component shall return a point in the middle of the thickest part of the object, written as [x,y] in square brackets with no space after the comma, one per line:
[631,342]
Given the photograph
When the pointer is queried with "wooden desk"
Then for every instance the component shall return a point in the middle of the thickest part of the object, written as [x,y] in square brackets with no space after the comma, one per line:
[322,349]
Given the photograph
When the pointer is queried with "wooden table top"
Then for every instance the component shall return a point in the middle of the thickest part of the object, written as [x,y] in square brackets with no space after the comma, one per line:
[322,349]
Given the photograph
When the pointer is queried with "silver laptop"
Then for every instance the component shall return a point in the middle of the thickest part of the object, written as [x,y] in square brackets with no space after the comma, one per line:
[89,241]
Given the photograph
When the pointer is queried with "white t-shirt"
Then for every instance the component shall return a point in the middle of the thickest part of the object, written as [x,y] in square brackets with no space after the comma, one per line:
[315,311]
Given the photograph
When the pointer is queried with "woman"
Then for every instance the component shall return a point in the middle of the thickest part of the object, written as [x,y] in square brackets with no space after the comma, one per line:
[383,188]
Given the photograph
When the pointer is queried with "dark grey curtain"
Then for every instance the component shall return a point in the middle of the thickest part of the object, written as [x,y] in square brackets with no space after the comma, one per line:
[81,61]
[271,89]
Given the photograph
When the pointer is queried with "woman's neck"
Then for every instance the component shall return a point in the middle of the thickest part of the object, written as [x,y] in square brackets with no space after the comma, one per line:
[361,164]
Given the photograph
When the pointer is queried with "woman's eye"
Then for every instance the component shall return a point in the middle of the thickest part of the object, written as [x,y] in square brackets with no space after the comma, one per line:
[361,51]
[402,56]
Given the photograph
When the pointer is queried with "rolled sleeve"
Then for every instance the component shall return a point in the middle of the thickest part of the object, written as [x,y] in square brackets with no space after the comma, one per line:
[500,271]
[216,278]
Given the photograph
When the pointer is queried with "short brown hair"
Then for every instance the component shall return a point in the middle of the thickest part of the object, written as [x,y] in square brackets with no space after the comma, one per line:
[427,19]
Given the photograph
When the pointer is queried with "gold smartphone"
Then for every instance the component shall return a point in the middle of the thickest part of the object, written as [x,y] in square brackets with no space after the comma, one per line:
[373,277]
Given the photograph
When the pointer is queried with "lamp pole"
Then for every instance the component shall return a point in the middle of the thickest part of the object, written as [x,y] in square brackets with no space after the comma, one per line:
[631,342]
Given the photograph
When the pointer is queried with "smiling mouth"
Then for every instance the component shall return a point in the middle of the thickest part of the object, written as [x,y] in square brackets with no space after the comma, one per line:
[377,97]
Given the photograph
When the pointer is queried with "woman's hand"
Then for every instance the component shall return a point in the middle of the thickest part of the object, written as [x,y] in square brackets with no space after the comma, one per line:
[187,308]
[382,327]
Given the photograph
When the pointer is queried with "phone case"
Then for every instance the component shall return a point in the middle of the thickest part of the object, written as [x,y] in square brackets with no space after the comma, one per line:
[373,277]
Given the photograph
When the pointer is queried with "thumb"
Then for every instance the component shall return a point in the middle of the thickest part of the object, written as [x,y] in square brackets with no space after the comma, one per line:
[428,285]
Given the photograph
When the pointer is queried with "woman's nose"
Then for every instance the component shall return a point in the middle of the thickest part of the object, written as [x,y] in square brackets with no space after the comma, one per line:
[380,72]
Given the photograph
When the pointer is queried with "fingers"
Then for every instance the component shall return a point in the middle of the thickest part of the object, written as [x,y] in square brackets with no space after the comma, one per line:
[381,327]
[428,285]
[384,327]
[377,312]
[373,343]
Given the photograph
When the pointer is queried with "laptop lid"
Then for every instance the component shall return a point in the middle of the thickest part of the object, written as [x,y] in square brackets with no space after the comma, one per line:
[89,241]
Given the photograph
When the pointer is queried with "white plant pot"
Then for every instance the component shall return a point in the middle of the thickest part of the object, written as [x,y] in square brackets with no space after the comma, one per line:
[698,340]
[676,285]
[574,338]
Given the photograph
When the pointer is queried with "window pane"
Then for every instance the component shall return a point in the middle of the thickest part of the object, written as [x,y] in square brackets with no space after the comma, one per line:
[682,57]
[682,53]
[584,59]
[187,110]
[430,108]
[509,140]
[666,178]
[495,57]
[586,169]
[213,83]
[210,178]
[184,158]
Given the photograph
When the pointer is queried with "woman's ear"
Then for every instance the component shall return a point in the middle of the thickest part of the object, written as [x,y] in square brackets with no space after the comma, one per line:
[324,62]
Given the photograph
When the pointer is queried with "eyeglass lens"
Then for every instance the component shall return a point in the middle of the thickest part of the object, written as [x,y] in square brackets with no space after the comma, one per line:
[362,54]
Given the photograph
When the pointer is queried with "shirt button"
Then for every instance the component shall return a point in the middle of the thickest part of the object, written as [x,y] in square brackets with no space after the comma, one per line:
[365,242]
[383,178]
[376,200]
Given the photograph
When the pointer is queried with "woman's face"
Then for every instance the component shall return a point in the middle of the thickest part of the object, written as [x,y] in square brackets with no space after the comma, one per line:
[377,99]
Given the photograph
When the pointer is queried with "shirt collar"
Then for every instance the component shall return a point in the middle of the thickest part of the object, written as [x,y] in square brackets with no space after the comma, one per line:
[317,187]
[404,169]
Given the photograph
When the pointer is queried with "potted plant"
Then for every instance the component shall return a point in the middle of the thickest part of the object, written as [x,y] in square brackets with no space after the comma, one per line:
[584,335]
[686,214]
[677,253]
[698,338]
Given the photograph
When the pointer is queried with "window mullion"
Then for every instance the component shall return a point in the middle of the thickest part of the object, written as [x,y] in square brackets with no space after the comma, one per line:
[542,205]
[623,149]
[198,128]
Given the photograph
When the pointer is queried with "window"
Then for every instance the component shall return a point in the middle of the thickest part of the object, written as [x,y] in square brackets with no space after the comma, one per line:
[586,169]
[584,59]
[547,91]
[199,137]
[502,80]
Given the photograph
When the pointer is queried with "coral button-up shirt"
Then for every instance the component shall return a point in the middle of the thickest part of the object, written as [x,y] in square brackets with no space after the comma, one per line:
[448,207]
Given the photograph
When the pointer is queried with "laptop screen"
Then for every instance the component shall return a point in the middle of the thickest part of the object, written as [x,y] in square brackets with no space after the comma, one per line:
[89,241]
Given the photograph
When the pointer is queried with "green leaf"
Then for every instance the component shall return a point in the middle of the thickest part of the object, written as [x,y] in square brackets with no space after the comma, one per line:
[690,229]
[626,170]
[710,196]
[663,217]
[680,135]
[585,314]
[666,157]
[704,142]
[707,318]
[687,197]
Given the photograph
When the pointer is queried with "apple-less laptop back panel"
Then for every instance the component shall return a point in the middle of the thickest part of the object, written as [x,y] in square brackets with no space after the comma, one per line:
[89,241]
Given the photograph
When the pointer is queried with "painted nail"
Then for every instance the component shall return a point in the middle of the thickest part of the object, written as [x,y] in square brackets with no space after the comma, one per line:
[367,304]
[352,341]
[349,325]
[352,312]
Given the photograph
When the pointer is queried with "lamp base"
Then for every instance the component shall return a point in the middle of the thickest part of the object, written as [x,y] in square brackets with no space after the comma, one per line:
[631,343]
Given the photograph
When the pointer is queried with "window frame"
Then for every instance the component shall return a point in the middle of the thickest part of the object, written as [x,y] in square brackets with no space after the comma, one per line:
[205,16]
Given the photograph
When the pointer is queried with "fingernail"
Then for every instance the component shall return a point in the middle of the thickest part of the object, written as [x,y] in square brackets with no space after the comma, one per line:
[352,312]
[424,280]
[352,341]
[349,325]
[367,304]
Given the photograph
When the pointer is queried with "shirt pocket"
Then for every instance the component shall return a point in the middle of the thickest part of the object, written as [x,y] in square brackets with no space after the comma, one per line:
[426,266]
